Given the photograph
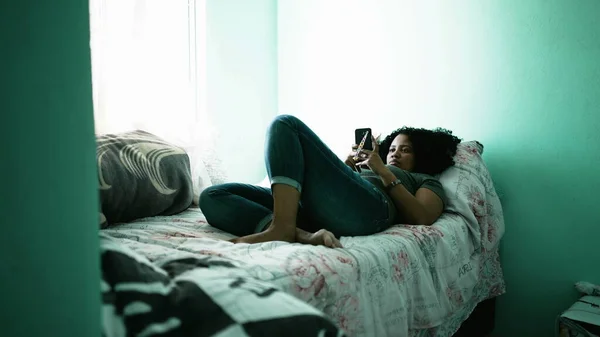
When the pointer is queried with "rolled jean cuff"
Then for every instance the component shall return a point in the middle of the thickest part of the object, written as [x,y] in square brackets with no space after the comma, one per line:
[262,224]
[286,181]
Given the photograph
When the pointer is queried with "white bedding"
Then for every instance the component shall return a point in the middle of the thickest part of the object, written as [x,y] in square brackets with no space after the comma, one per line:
[405,281]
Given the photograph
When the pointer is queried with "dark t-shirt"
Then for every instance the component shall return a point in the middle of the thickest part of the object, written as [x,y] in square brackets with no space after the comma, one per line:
[410,180]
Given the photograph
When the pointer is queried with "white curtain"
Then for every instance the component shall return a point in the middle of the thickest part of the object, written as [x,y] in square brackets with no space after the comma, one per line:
[148,67]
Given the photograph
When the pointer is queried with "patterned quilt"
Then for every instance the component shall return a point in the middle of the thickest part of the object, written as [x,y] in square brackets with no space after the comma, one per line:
[405,281]
[197,296]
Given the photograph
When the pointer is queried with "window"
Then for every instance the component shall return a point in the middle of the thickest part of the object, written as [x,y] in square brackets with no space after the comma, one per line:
[148,66]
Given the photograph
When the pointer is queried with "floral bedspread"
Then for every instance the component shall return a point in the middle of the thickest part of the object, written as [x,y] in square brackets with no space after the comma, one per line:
[405,281]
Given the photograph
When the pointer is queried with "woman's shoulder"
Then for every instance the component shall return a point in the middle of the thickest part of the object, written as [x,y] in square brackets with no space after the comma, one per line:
[424,176]
[426,180]
[398,171]
[415,175]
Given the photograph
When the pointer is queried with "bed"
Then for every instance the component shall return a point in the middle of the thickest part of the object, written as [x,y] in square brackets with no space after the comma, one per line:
[404,281]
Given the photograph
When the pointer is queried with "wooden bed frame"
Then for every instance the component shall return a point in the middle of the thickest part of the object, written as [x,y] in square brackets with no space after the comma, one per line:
[481,321]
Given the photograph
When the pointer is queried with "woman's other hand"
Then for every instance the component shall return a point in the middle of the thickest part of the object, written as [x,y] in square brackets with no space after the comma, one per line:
[372,159]
[350,161]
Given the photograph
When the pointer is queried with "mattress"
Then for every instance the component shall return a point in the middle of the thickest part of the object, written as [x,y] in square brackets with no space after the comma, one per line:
[404,281]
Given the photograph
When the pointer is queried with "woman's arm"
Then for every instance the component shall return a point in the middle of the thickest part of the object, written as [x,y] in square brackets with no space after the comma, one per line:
[424,208]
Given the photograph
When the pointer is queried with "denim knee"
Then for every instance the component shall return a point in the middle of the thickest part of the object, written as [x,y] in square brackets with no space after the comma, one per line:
[289,120]
[207,200]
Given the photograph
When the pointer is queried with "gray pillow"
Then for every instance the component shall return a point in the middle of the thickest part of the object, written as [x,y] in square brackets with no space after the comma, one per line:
[141,175]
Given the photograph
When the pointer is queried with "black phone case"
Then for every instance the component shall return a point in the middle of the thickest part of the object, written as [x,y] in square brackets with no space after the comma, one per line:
[358,136]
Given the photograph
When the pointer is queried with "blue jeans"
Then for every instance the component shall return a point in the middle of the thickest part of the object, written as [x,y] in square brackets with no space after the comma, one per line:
[332,195]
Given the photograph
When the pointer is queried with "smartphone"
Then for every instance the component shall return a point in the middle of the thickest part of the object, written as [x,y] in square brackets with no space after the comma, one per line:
[359,135]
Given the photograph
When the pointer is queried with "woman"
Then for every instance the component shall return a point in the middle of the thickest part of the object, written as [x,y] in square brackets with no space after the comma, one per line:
[315,197]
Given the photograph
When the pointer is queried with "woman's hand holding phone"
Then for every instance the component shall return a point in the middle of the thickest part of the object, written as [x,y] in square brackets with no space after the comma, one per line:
[372,159]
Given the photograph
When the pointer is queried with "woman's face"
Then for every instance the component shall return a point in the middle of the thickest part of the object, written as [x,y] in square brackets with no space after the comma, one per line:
[401,153]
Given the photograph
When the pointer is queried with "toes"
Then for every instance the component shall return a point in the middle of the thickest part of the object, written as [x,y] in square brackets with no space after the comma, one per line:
[327,241]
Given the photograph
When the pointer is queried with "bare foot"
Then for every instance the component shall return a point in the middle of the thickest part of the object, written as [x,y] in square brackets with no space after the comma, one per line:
[321,238]
[271,234]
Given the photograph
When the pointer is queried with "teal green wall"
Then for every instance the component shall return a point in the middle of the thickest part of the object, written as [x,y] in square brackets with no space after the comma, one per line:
[49,262]
[546,156]
[242,81]
[523,77]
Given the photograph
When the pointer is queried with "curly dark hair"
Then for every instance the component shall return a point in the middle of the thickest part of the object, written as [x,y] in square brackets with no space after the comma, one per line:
[433,150]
